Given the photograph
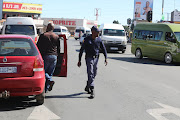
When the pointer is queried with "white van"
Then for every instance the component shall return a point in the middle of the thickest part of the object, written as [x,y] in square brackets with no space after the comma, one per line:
[113,37]
[59,30]
[83,29]
[20,25]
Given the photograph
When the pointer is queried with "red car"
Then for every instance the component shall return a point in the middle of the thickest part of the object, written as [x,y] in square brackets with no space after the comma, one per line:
[22,67]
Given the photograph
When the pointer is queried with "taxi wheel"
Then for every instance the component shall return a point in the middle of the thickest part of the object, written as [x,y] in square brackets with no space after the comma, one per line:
[168,58]
[138,54]
[40,98]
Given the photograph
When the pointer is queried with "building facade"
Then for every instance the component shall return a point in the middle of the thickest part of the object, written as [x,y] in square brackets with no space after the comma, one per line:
[71,24]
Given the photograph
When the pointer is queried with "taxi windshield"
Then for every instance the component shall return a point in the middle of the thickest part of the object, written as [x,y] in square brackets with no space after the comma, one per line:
[20,29]
[114,32]
[177,34]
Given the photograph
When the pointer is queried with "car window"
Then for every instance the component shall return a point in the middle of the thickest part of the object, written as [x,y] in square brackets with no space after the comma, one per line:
[169,36]
[64,30]
[17,47]
[78,30]
[114,32]
[57,30]
[158,35]
[177,34]
[20,29]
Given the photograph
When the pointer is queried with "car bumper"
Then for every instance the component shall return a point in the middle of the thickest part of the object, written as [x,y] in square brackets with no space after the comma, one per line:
[24,86]
[115,47]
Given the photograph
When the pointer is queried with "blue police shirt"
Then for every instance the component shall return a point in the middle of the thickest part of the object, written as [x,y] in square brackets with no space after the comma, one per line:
[92,47]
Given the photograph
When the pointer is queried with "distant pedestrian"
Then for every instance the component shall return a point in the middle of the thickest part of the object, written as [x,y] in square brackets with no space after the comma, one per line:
[80,34]
[49,47]
[92,44]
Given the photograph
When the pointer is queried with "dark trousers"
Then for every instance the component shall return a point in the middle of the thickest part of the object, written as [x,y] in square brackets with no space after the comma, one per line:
[49,66]
[91,64]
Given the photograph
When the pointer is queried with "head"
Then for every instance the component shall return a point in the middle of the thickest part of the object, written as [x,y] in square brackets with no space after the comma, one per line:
[147,4]
[50,27]
[95,31]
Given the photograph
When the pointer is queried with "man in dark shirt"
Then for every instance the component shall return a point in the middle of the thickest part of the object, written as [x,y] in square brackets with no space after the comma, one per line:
[49,47]
[92,44]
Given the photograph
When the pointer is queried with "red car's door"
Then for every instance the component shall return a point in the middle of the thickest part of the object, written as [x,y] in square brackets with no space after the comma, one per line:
[61,66]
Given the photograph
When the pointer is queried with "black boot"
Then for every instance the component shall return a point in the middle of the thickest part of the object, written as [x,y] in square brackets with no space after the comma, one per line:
[87,88]
[92,92]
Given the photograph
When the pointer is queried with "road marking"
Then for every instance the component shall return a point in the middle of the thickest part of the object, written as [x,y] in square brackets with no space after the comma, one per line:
[42,113]
[157,113]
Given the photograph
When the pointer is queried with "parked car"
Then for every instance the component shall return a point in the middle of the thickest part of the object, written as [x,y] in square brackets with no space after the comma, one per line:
[21,68]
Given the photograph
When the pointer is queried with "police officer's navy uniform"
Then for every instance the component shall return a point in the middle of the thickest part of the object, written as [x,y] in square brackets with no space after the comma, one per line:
[92,48]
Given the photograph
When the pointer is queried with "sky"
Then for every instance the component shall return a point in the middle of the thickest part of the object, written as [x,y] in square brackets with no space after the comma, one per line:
[110,10]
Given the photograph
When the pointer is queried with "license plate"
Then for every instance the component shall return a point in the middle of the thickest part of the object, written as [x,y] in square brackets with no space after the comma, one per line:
[8,69]
[113,48]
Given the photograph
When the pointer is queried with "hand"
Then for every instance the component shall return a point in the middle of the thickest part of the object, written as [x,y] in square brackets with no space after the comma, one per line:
[79,64]
[105,62]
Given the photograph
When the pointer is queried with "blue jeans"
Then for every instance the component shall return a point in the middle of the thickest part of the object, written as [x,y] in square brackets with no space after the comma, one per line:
[91,64]
[49,66]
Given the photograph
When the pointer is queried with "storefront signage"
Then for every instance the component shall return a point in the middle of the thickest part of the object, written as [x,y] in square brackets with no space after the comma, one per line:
[22,7]
[64,22]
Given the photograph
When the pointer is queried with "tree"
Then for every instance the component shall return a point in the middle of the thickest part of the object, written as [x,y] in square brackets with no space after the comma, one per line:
[116,22]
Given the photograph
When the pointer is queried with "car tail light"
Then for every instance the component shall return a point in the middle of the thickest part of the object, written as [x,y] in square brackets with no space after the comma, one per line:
[36,39]
[38,64]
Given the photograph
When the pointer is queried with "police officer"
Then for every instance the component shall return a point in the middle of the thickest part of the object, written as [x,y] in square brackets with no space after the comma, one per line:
[92,44]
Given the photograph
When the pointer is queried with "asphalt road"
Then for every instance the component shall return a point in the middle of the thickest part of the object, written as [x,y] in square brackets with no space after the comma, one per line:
[126,89]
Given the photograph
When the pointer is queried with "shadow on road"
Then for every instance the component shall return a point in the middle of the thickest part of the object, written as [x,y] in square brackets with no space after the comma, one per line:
[142,61]
[16,103]
[76,95]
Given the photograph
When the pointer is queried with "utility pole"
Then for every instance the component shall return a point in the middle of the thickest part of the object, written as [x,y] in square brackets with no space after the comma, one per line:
[162,10]
[97,13]
[162,6]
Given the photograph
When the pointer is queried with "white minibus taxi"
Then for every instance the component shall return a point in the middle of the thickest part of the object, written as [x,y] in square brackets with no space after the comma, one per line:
[60,30]
[83,30]
[113,37]
[20,25]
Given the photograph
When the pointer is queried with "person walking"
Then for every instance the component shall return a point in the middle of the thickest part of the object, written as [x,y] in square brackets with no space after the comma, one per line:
[92,45]
[49,47]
